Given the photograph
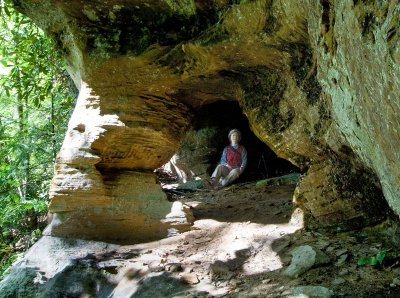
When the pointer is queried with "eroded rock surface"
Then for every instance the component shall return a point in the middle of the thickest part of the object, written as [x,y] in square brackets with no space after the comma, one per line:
[316,79]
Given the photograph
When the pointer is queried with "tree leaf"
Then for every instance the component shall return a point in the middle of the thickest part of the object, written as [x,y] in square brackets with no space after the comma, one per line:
[373,261]
[362,261]
[380,256]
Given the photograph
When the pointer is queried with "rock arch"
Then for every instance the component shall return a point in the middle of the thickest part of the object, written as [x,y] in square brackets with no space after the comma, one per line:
[142,71]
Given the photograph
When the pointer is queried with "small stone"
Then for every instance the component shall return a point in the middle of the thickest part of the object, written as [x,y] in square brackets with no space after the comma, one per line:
[131,273]
[341,260]
[322,244]
[266,281]
[344,271]
[186,242]
[396,281]
[330,249]
[156,267]
[311,291]
[219,267]
[304,258]
[341,252]
[173,267]
[190,278]
[234,282]
[338,281]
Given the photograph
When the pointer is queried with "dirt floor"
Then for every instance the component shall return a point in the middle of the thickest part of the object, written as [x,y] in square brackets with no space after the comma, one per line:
[240,245]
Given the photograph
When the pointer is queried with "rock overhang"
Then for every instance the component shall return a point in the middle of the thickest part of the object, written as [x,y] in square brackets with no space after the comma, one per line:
[153,65]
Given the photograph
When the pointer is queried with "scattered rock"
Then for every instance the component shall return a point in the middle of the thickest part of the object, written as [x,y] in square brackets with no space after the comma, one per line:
[338,281]
[330,249]
[156,267]
[219,267]
[304,258]
[132,273]
[322,244]
[190,278]
[235,282]
[396,281]
[311,291]
[341,260]
[173,267]
[341,252]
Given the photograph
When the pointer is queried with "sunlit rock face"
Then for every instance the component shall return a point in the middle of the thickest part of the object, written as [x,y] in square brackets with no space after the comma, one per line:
[317,80]
[356,44]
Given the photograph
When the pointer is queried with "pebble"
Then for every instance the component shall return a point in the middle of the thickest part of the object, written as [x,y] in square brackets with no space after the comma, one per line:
[396,281]
[219,267]
[341,252]
[190,278]
[266,281]
[338,281]
[156,267]
[341,260]
[330,249]
[312,291]
[322,244]
[173,267]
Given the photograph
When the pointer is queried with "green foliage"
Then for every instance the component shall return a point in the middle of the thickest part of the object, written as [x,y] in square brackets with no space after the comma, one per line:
[35,103]
[372,260]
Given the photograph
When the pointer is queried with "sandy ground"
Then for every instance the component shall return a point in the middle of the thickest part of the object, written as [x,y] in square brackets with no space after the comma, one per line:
[239,246]
[228,252]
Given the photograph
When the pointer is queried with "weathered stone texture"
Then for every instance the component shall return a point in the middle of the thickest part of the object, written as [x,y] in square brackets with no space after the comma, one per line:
[358,58]
[318,81]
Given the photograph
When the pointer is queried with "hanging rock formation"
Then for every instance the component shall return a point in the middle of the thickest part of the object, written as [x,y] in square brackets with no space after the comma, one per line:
[318,81]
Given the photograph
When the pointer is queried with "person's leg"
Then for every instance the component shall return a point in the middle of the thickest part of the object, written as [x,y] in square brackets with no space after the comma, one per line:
[220,171]
[232,176]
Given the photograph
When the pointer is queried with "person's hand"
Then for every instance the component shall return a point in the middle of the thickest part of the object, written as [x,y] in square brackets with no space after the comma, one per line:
[241,169]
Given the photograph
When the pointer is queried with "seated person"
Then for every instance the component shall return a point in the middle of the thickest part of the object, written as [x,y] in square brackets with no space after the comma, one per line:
[232,164]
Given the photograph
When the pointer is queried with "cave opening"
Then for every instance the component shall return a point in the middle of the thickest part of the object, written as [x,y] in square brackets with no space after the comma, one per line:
[248,199]
[201,148]
[227,115]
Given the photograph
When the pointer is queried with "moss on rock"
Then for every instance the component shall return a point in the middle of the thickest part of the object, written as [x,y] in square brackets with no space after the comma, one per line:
[263,90]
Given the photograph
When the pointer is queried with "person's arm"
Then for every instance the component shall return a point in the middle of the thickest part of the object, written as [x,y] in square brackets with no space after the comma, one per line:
[223,158]
[244,160]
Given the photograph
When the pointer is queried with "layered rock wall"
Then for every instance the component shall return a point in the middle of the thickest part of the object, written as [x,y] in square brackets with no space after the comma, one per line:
[317,80]
[356,44]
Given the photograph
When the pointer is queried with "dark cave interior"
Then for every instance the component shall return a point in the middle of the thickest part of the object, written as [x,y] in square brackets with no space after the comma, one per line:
[226,115]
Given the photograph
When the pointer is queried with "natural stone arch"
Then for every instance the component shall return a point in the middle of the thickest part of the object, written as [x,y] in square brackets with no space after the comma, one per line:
[146,87]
